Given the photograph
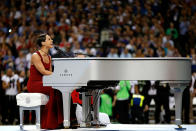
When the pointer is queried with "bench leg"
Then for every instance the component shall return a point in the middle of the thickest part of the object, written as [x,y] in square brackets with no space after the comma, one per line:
[21,118]
[37,110]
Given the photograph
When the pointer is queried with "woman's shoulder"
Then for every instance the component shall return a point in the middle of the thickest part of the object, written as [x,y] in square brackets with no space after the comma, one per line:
[35,55]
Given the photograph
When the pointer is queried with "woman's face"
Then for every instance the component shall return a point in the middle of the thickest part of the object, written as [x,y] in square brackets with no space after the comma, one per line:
[48,42]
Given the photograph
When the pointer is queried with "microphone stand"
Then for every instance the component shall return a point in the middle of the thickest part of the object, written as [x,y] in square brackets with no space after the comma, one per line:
[66,55]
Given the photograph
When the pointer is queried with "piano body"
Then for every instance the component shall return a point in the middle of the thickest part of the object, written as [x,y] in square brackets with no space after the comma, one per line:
[72,73]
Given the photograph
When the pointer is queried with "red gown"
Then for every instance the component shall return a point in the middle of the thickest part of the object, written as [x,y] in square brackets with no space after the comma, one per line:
[52,112]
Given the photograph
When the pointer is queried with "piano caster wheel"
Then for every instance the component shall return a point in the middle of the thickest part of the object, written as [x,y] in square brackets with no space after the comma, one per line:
[21,127]
[180,128]
[98,125]
[66,123]
[66,127]
[38,126]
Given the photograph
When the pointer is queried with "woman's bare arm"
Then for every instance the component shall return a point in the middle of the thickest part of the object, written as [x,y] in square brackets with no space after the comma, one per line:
[36,61]
[50,64]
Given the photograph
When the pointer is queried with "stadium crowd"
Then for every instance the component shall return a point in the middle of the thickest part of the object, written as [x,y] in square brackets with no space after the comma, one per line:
[101,28]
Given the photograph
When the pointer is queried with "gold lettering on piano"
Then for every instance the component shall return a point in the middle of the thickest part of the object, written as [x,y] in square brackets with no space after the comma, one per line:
[63,74]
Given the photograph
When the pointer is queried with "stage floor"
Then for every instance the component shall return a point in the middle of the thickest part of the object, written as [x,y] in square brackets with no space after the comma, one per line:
[131,127]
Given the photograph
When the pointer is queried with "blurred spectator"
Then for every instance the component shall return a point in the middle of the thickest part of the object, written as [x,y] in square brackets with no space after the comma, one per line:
[77,48]
[125,54]
[192,95]
[149,92]
[8,60]
[2,92]
[186,105]
[107,102]
[20,62]
[28,58]
[123,101]
[137,106]
[172,31]
[91,52]
[139,53]
[193,56]
[11,86]
[113,53]
[131,46]
[23,81]
[163,92]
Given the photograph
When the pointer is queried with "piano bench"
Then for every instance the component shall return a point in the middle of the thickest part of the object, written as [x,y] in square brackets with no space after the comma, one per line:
[31,101]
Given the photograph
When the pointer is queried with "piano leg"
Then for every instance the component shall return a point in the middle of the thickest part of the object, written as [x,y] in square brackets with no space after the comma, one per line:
[86,109]
[178,89]
[96,101]
[66,108]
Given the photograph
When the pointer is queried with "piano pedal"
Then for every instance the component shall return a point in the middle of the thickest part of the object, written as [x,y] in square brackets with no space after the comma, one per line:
[98,125]
[85,125]
[74,126]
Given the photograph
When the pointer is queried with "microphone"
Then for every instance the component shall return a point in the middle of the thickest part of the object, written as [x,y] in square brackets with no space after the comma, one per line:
[62,53]
[84,54]
[70,54]
[59,50]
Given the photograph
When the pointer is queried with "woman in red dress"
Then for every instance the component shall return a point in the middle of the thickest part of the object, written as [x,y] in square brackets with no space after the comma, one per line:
[52,112]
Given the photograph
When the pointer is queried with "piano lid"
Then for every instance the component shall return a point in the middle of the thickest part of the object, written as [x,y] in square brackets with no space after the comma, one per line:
[138,58]
[78,71]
